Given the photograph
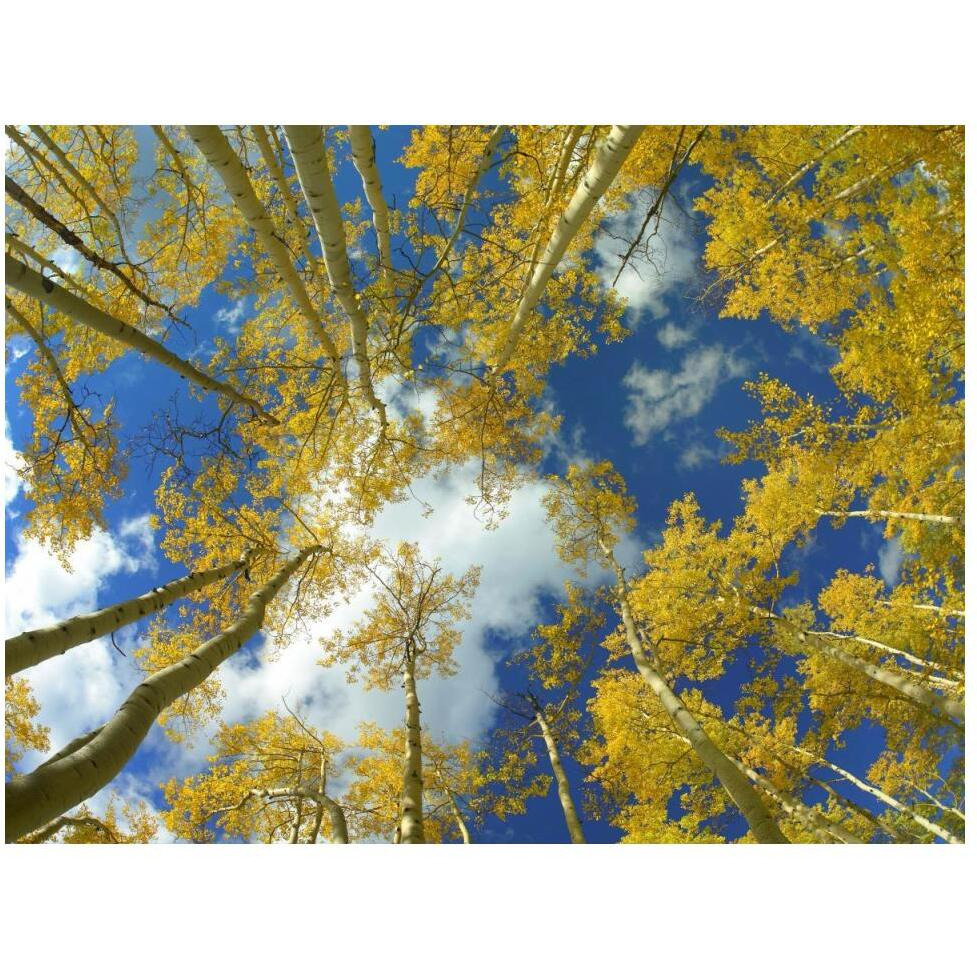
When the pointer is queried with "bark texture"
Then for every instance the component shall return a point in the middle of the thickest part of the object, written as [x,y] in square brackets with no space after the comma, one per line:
[219,153]
[411,830]
[307,146]
[365,160]
[744,795]
[33,647]
[562,783]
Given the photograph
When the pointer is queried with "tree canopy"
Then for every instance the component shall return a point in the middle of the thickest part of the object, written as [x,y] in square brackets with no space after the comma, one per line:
[257,347]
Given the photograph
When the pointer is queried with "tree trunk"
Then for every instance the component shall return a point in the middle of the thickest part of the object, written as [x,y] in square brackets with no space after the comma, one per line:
[858,809]
[306,145]
[741,791]
[411,830]
[365,160]
[278,175]
[949,707]
[45,217]
[562,784]
[933,608]
[35,286]
[466,838]
[887,799]
[927,698]
[610,156]
[33,647]
[888,514]
[817,822]
[93,760]
[218,152]
[898,652]
[810,164]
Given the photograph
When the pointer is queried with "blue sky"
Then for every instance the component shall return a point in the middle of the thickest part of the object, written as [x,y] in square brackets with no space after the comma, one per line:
[651,404]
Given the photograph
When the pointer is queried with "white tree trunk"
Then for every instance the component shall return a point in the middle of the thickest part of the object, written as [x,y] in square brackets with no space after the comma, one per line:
[885,798]
[93,760]
[33,647]
[278,175]
[35,286]
[902,683]
[889,514]
[562,783]
[45,217]
[307,147]
[466,837]
[219,153]
[411,830]
[898,652]
[825,829]
[611,155]
[741,791]
[363,147]
[810,164]
[951,707]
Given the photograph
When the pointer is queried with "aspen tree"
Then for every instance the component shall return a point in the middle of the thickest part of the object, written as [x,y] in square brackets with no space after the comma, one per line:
[267,780]
[33,647]
[24,279]
[611,155]
[94,759]
[590,509]
[219,153]
[408,632]
[306,144]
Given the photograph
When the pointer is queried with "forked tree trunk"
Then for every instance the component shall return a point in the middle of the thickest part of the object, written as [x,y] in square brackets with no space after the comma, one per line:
[466,837]
[85,766]
[307,146]
[411,830]
[35,286]
[562,783]
[743,794]
[611,155]
[33,647]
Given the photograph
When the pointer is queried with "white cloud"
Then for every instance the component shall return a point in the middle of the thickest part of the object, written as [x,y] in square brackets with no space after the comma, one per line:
[891,556]
[232,315]
[672,336]
[659,397]
[697,455]
[663,263]
[519,566]
[12,482]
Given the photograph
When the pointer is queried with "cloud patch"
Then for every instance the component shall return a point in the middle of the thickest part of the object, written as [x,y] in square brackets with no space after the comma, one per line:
[663,263]
[230,317]
[673,337]
[657,398]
